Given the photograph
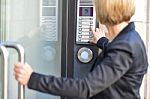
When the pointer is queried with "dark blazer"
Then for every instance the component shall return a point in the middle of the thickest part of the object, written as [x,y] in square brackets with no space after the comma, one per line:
[116,74]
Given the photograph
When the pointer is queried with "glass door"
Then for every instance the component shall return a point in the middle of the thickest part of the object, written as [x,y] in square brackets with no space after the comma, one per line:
[37,25]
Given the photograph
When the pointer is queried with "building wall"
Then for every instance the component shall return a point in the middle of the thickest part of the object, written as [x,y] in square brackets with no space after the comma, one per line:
[141,18]
[148,49]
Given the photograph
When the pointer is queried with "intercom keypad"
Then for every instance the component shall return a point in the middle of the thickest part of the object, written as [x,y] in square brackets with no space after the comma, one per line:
[85,20]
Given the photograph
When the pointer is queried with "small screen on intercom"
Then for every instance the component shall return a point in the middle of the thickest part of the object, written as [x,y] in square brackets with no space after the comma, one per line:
[86,11]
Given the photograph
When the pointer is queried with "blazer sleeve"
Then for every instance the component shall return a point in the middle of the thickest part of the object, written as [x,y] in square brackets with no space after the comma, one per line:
[115,64]
[102,43]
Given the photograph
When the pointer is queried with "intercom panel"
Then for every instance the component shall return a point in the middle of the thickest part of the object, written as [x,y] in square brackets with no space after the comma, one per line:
[86,19]
[85,53]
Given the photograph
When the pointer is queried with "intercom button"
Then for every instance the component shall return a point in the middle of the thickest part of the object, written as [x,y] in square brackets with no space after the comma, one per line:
[80,32]
[80,36]
[91,22]
[85,55]
[80,29]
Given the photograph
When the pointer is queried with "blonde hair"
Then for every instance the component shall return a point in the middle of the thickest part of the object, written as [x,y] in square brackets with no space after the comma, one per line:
[112,12]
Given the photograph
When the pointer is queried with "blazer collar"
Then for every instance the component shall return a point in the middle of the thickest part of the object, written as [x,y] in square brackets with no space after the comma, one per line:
[129,27]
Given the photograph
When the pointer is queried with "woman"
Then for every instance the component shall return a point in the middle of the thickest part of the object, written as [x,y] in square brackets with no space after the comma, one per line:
[118,70]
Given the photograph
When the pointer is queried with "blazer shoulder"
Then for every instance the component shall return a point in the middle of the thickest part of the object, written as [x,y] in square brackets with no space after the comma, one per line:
[130,42]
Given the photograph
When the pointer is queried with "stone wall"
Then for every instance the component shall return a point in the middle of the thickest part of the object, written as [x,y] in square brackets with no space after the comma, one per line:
[141,19]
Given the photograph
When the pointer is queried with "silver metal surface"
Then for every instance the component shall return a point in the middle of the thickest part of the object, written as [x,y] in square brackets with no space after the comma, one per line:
[21,58]
[4,53]
[85,55]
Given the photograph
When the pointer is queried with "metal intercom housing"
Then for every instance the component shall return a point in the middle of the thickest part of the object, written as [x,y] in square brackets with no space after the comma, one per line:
[85,53]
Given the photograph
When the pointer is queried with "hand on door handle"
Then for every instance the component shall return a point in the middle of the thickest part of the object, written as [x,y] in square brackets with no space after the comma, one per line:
[22,73]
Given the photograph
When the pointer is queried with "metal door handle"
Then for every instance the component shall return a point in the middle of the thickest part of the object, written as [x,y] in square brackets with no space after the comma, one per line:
[4,53]
[21,58]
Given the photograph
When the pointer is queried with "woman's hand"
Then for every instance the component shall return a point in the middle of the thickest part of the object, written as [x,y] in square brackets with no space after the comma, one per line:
[97,34]
[22,73]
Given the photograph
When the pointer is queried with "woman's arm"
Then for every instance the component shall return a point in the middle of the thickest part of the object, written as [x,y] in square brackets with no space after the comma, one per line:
[102,43]
[114,65]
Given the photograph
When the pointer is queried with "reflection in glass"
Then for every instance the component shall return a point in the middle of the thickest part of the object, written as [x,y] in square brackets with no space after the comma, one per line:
[48,11]
[1,78]
[42,52]
[49,2]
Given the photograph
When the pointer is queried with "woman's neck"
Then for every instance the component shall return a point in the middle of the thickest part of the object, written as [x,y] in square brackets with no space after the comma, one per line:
[114,30]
